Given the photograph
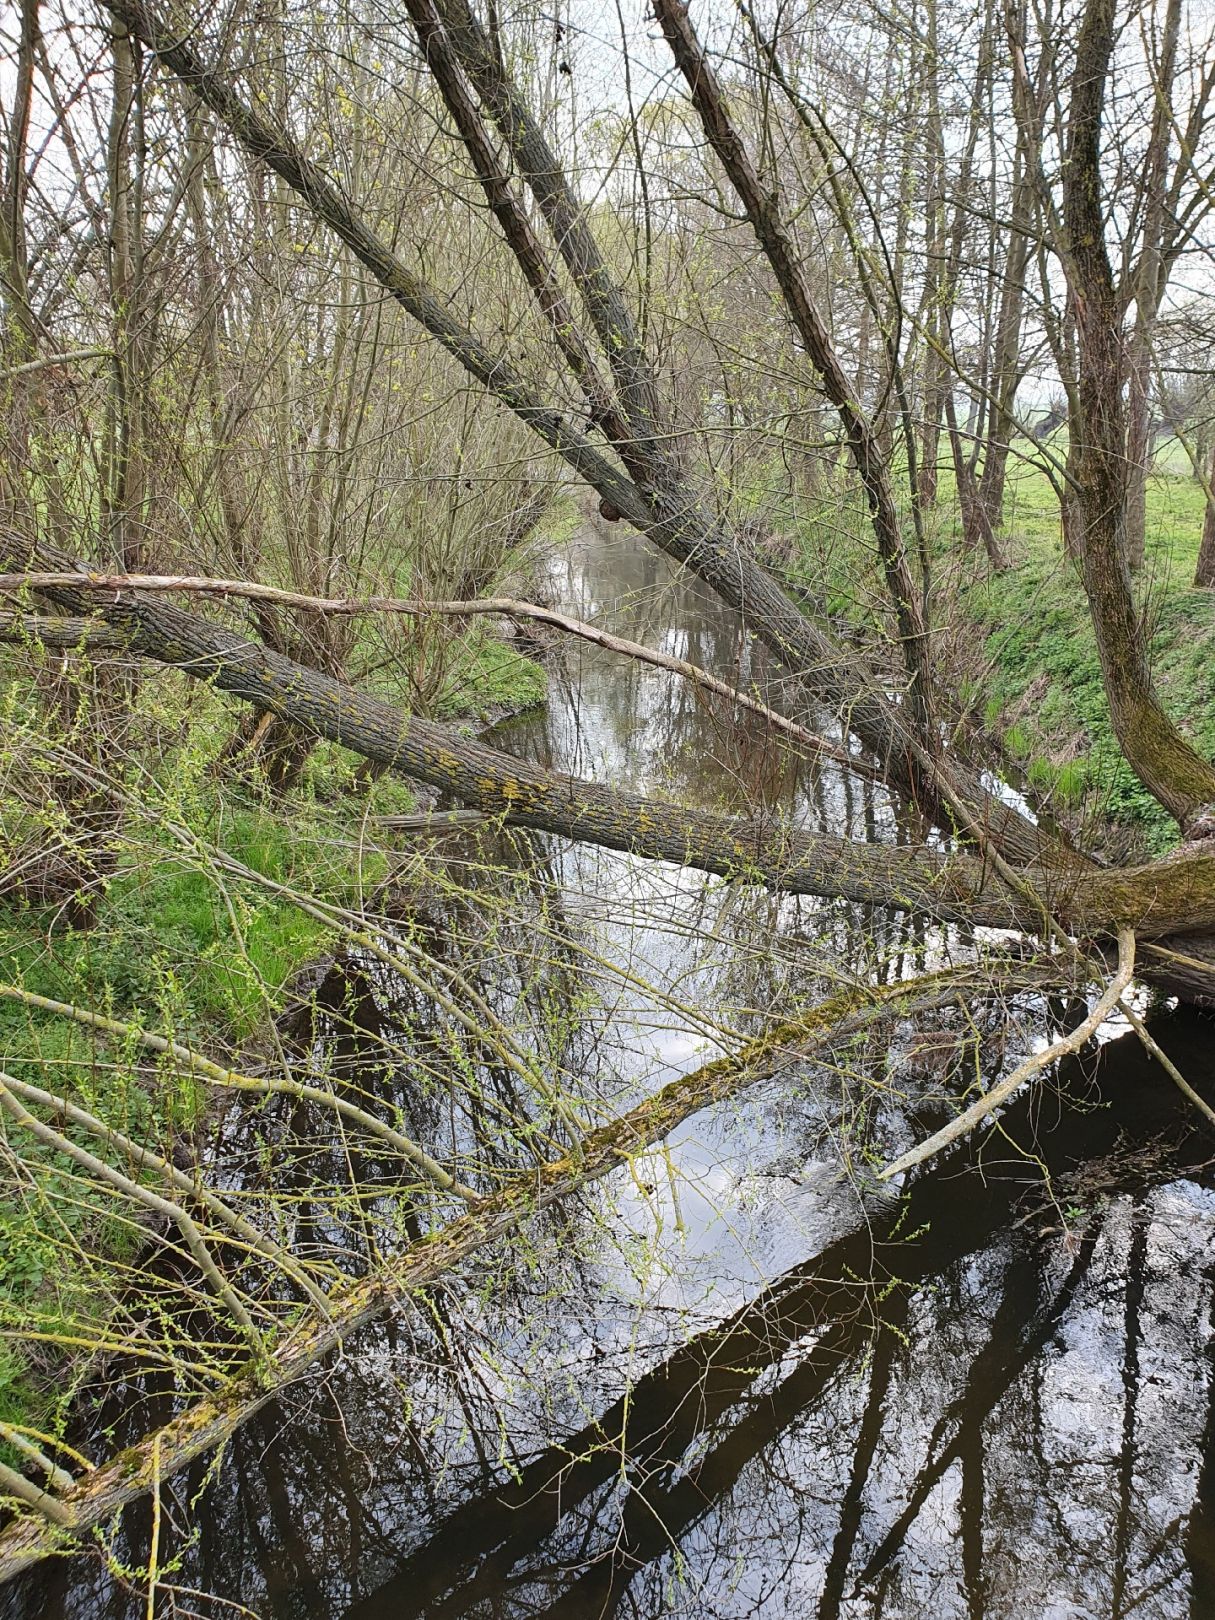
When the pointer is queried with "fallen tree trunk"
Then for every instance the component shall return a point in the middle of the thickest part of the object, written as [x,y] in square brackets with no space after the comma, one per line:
[11,626]
[952,888]
[209,1422]
[1174,896]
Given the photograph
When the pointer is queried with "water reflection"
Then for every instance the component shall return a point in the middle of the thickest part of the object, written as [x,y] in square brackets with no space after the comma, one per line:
[716,1386]
[955,1418]
[992,1405]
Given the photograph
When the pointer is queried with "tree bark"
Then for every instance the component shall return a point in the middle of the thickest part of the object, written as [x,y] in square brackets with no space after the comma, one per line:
[1172,771]
[1204,574]
[1172,896]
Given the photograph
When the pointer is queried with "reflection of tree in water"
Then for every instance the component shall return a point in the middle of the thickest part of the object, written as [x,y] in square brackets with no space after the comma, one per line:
[950,1414]
[672,735]
[932,1466]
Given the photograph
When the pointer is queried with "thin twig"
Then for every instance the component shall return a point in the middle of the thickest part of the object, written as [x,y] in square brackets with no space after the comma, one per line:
[220,1076]
[1153,1047]
[499,606]
[19,1440]
[144,1156]
[101,1171]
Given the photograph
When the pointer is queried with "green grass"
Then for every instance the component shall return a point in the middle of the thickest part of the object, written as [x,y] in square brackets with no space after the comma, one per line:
[175,948]
[489,679]
[1046,695]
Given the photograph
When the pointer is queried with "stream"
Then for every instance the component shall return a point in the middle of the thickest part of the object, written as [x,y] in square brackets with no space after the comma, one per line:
[718,1384]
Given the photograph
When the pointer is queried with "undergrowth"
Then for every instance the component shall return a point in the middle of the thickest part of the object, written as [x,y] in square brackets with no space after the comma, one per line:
[172,941]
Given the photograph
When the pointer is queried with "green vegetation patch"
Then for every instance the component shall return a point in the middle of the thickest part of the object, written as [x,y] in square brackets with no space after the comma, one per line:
[174,939]
[489,680]
[1046,694]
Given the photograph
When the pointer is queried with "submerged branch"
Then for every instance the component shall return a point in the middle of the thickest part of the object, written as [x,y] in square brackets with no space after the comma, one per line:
[1153,1047]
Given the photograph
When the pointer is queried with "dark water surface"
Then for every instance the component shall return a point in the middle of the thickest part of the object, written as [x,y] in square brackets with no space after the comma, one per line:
[719,1386]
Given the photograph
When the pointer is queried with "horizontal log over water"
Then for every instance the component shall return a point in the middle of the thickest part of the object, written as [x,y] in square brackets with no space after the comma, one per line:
[349,606]
[1169,896]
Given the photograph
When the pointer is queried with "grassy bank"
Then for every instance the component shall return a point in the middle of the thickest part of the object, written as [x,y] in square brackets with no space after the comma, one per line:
[1043,693]
[1025,658]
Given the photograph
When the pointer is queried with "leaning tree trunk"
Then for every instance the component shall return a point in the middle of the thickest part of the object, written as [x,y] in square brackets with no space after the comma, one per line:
[1204,574]
[665,509]
[1172,771]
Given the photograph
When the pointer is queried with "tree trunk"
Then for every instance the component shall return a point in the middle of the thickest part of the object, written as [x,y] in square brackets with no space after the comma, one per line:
[1169,897]
[1204,574]
[1149,291]
[1138,446]
[976,525]
[1071,517]
[767,218]
[1172,771]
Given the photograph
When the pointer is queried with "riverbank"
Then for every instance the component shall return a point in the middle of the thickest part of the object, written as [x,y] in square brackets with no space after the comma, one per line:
[1042,695]
[1021,645]
[706,1351]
